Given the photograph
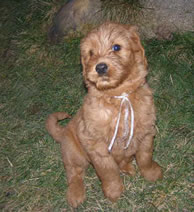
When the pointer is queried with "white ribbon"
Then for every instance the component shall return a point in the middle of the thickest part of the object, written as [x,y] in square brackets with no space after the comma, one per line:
[124,98]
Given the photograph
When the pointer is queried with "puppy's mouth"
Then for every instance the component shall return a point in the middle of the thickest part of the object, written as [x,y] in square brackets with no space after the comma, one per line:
[105,82]
[103,76]
[99,81]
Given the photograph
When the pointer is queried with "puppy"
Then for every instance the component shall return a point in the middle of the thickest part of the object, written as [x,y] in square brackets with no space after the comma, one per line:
[117,120]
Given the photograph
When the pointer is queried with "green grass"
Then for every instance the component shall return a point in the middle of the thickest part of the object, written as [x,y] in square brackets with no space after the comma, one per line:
[121,10]
[37,79]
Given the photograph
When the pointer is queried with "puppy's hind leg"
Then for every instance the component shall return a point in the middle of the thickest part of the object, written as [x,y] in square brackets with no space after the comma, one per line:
[75,163]
[148,167]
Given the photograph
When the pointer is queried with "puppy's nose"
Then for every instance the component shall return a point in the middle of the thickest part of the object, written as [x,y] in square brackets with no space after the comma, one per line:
[101,68]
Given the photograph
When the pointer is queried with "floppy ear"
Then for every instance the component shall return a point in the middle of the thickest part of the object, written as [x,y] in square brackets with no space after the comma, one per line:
[139,71]
[137,46]
[82,49]
[84,62]
[83,67]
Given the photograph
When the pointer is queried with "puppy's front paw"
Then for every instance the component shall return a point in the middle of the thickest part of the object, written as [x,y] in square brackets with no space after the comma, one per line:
[75,194]
[113,190]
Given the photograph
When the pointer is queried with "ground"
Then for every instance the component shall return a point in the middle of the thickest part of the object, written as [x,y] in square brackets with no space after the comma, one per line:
[37,79]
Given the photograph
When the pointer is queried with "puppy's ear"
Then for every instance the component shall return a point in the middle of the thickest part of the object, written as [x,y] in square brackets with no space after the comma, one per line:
[134,36]
[83,67]
[136,45]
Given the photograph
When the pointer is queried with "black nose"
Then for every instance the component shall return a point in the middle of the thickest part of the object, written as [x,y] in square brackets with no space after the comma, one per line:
[101,68]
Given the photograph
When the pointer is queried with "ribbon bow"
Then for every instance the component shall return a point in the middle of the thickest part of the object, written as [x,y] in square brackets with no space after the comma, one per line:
[124,98]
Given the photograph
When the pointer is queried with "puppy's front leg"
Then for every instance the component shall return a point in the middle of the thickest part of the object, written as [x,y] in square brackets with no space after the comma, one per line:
[107,170]
[148,167]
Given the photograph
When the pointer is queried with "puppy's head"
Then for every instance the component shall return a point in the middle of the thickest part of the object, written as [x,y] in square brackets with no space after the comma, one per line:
[112,54]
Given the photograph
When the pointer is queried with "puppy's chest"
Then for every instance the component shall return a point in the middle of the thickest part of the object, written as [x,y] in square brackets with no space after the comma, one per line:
[101,118]
[100,114]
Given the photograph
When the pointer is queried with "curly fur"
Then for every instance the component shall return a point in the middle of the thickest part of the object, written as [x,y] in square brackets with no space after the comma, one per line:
[86,137]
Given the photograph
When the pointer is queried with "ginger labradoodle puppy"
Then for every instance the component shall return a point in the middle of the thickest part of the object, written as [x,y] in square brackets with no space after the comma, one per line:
[116,122]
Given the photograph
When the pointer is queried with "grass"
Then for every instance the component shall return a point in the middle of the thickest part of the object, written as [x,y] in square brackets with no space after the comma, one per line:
[121,10]
[37,79]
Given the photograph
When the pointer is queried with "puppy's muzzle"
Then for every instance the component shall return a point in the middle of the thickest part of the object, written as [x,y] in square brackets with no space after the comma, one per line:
[101,68]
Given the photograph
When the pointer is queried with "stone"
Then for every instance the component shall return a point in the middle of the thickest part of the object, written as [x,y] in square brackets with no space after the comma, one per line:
[72,16]
[157,19]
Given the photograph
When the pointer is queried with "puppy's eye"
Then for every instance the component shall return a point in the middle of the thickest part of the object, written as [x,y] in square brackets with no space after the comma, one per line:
[116,48]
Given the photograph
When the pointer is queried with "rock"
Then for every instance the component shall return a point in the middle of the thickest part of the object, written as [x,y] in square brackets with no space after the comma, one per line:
[165,16]
[73,16]
[157,19]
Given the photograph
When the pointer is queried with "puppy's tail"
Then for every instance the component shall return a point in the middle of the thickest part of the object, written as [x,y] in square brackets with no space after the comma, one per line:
[52,126]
